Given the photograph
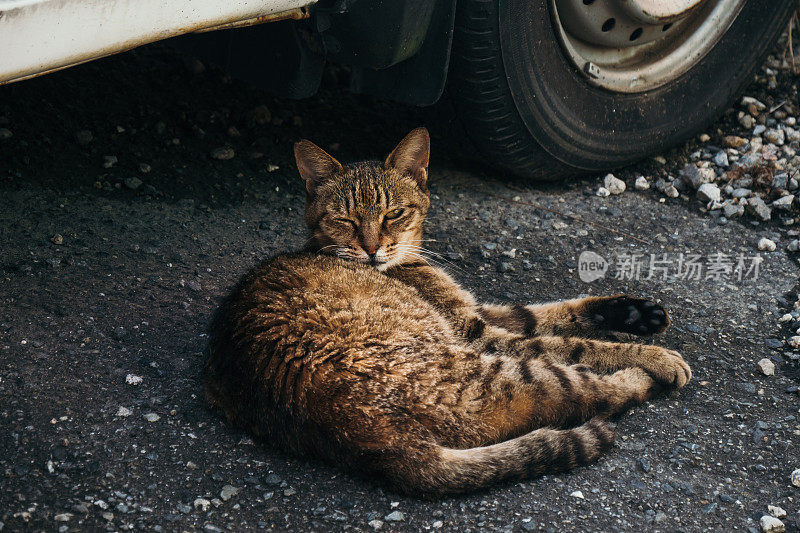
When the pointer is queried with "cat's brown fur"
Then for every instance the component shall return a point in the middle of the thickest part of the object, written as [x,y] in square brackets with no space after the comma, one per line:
[358,352]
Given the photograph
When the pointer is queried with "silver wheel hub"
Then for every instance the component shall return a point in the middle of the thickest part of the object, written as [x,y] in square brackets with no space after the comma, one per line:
[637,45]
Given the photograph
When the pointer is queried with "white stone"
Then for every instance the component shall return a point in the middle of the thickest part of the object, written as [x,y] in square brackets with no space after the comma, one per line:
[152,417]
[796,478]
[577,494]
[777,512]
[201,504]
[133,379]
[614,184]
[794,342]
[671,191]
[641,184]
[785,318]
[375,524]
[602,192]
[395,516]
[767,367]
[708,192]
[793,246]
[766,245]
[770,524]
[748,100]
[124,411]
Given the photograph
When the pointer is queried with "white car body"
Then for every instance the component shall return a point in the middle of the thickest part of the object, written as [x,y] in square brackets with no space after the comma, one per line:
[40,36]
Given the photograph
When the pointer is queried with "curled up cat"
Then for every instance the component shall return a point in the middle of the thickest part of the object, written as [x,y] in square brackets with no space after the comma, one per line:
[358,352]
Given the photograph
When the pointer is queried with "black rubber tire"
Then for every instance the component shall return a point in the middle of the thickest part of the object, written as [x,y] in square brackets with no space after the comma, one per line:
[529,111]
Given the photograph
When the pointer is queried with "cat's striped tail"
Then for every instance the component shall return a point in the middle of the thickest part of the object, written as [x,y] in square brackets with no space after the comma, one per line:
[543,451]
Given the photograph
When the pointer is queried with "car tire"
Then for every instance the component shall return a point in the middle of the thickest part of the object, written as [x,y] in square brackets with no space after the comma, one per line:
[529,110]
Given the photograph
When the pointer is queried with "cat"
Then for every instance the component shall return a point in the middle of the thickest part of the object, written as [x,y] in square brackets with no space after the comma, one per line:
[357,351]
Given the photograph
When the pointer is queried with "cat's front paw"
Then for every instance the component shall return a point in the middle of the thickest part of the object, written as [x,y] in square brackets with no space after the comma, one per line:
[665,366]
[627,314]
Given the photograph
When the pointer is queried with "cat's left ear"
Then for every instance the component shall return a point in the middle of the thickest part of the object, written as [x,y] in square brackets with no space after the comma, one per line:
[315,164]
[411,156]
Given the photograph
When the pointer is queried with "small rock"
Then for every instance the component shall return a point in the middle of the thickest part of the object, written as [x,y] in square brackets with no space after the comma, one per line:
[757,207]
[109,161]
[641,184]
[777,137]
[770,524]
[57,239]
[228,492]
[614,184]
[777,512]
[704,137]
[133,183]
[151,417]
[577,494]
[602,192]
[708,192]
[794,342]
[741,192]
[201,504]
[272,168]
[223,153]
[84,137]
[784,203]
[795,478]
[63,517]
[375,524]
[732,141]
[394,516]
[773,343]
[766,245]
[793,245]
[750,101]
[767,367]
[732,210]
[780,180]
[787,317]
[694,177]
[505,267]
[291,491]
[123,411]
[671,192]
[721,159]
[747,121]
[133,379]
[144,168]
[5,133]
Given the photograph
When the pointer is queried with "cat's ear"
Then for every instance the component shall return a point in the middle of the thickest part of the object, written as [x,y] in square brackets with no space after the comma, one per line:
[315,165]
[411,156]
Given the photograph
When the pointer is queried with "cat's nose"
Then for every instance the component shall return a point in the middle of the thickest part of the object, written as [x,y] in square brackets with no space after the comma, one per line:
[372,259]
[371,249]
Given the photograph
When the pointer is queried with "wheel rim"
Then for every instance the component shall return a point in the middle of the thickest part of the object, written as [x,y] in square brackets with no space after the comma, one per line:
[633,46]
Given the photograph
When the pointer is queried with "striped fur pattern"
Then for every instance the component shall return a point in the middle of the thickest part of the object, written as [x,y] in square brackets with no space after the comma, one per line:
[359,352]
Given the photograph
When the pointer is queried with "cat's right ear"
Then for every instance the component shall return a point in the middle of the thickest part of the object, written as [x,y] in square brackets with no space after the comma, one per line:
[315,165]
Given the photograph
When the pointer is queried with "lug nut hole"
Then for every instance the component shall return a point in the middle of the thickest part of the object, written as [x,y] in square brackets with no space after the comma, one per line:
[608,25]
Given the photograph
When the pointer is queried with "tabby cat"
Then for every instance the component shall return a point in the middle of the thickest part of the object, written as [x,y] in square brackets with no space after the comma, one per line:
[357,351]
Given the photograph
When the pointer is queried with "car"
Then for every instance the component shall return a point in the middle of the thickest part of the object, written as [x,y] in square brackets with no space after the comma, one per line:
[543,88]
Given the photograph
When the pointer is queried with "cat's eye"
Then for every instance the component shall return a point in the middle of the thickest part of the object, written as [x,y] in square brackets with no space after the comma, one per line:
[394,213]
[346,221]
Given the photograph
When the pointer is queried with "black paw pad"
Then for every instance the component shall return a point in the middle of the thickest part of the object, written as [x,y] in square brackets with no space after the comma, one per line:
[629,315]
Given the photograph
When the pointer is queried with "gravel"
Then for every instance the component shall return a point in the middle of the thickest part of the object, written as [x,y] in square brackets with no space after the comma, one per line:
[614,184]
